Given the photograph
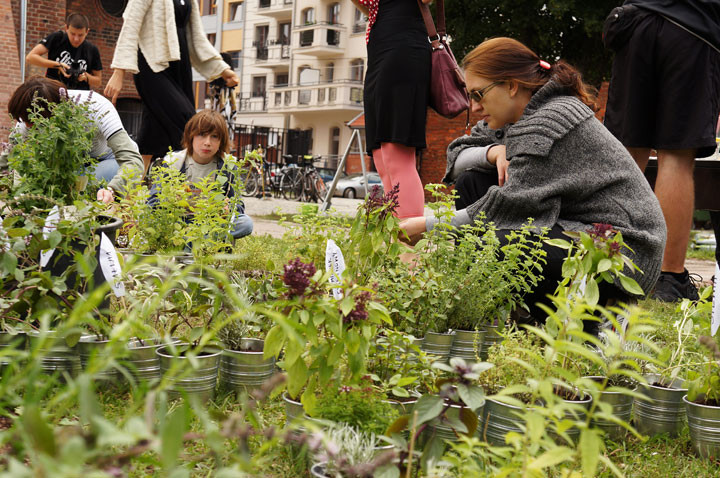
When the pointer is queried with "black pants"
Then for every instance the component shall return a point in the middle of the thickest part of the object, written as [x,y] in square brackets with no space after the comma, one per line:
[471,186]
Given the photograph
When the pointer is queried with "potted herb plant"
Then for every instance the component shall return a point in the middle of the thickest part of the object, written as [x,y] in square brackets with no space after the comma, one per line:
[242,364]
[323,338]
[345,448]
[702,403]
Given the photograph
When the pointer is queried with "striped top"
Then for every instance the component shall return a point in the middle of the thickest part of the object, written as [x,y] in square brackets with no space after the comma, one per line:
[104,115]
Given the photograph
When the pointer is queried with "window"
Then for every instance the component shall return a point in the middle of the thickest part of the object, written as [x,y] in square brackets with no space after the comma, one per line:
[258,87]
[209,7]
[261,41]
[236,12]
[335,141]
[333,17]
[235,59]
[329,72]
[357,70]
[281,79]
[114,7]
[308,16]
[211,38]
[283,34]
[359,21]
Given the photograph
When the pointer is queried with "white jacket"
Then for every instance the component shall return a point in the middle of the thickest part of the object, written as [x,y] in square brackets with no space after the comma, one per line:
[150,25]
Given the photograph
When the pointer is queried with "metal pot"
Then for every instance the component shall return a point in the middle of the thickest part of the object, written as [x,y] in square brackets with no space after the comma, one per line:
[441,429]
[142,361]
[492,336]
[293,408]
[664,410]
[201,379]
[95,345]
[622,406]
[497,420]
[438,344]
[467,344]
[403,407]
[244,371]
[55,354]
[10,341]
[704,423]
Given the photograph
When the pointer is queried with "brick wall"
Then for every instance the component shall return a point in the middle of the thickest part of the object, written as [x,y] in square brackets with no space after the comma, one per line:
[9,65]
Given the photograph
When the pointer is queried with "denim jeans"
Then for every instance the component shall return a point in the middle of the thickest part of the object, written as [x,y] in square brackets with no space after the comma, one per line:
[106,167]
[242,226]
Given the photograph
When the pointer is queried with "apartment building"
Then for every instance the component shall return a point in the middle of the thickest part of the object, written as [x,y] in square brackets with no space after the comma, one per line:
[301,64]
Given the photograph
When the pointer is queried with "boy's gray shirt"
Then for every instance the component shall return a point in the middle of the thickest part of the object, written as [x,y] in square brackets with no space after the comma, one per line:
[567,169]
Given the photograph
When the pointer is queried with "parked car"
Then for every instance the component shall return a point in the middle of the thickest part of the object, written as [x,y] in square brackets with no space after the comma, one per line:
[327,174]
[354,186]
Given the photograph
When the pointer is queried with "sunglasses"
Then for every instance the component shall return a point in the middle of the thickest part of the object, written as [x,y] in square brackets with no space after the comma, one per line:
[477,95]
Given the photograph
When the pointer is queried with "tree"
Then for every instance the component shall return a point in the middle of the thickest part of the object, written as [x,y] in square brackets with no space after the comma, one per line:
[567,29]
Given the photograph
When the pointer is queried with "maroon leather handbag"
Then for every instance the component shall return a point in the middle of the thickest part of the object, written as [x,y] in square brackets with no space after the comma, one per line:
[448,95]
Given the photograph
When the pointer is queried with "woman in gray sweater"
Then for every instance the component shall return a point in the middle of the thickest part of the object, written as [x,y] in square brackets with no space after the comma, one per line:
[539,152]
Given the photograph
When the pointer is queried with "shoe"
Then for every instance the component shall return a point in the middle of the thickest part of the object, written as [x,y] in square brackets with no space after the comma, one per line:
[670,289]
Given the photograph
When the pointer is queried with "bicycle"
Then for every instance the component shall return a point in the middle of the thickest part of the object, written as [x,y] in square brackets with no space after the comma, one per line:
[260,178]
[304,182]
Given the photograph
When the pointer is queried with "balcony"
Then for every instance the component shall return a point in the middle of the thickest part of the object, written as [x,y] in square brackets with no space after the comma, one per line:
[337,95]
[272,55]
[252,104]
[322,40]
[280,9]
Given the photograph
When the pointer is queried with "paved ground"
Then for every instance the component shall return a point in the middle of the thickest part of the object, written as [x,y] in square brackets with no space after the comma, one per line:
[265,207]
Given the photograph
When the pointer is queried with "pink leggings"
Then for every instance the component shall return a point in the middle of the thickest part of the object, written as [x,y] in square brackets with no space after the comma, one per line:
[395,163]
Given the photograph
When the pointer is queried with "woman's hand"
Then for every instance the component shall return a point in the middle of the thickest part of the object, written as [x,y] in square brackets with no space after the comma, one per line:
[105,195]
[497,155]
[114,85]
[413,227]
[230,78]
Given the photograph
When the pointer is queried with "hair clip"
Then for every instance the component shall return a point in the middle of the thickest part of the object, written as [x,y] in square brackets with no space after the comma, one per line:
[544,65]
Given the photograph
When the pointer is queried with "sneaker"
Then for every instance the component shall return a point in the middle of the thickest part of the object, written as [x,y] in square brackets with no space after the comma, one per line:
[670,289]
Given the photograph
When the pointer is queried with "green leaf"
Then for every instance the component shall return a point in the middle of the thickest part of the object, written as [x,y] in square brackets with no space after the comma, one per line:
[470,419]
[590,447]
[172,430]
[592,292]
[9,262]
[472,396]
[297,377]
[552,458]
[402,423]
[630,285]
[604,265]
[427,408]
[39,431]
[274,341]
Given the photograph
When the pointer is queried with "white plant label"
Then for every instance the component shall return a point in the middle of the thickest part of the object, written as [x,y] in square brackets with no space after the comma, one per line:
[716,303]
[110,266]
[4,240]
[335,262]
[50,225]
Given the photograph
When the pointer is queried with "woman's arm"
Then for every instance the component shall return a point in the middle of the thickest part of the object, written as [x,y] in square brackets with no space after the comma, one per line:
[128,159]
[126,48]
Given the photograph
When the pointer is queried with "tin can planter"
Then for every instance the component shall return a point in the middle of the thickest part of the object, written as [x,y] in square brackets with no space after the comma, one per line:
[622,406]
[96,346]
[56,354]
[243,371]
[438,344]
[704,423]
[440,428]
[664,409]
[293,408]
[142,362]
[497,420]
[402,405]
[467,344]
[491,337]
[200,381]
[584,401]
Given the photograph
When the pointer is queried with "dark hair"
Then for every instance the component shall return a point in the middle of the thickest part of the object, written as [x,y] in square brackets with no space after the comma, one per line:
[36,87]
[204,122]
[77,20]
[503,59]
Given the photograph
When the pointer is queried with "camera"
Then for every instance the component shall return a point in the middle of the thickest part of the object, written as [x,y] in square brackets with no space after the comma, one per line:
[74,71]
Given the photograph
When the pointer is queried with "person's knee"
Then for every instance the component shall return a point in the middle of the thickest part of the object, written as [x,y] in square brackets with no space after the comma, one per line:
[242,226]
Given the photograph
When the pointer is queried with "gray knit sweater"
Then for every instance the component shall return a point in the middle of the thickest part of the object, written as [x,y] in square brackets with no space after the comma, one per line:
[567,169]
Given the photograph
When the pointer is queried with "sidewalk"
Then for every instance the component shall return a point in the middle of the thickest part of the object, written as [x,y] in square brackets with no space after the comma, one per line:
[265,207]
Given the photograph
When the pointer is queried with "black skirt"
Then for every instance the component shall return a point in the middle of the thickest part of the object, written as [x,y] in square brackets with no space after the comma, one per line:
[167,96]
[397,83]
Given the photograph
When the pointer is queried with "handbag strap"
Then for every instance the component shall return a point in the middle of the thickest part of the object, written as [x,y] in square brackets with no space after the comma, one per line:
[434,34]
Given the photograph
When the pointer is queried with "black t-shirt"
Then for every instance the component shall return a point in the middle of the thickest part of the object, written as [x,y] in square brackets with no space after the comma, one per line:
[86,58]
[702,17]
